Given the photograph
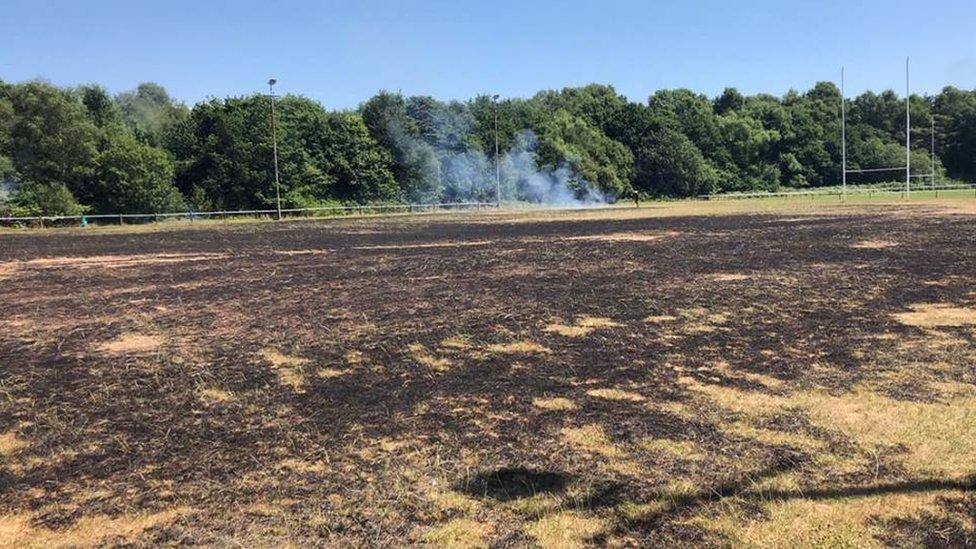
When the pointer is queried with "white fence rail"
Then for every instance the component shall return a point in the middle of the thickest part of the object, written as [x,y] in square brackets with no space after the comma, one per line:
[834,191]
[328,211]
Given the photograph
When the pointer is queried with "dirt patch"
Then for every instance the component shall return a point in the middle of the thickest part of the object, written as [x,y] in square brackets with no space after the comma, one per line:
[132,343]
[936,315]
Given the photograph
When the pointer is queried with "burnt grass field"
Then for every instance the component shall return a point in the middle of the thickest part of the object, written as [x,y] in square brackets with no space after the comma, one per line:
[628,378]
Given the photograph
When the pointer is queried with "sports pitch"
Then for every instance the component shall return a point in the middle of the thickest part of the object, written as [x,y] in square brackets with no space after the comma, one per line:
[748,373]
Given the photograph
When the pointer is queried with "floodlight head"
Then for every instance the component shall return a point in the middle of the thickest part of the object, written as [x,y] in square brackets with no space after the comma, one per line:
[495,97]
[272,82]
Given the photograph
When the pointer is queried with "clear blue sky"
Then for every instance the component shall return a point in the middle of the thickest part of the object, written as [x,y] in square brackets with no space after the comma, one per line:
[342,52]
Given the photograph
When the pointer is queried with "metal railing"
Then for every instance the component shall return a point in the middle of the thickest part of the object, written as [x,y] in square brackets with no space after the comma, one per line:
[321,211]
[850,191]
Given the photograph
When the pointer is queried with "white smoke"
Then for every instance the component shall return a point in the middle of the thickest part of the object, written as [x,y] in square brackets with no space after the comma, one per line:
[446,168]
[555,187]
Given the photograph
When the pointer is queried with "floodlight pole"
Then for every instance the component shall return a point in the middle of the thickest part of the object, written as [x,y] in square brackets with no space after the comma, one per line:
[908,133]
[498,178]
[843,134]
[274,145]
[932,154]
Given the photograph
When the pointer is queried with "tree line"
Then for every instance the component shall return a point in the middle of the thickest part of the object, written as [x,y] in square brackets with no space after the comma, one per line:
[65,151]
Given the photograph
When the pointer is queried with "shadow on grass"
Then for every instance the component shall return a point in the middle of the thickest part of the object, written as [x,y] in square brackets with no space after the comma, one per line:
[513,483]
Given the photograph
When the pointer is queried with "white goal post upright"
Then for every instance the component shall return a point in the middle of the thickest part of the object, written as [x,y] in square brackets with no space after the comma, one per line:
[908,139]
[843,134]
[908,134]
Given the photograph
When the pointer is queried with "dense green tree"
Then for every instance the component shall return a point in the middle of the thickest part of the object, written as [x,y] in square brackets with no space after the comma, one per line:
[730,100]
[415,164]
[134,177]
[100,106]
[67,150]
[955,114]
[149,111]
[350,163]
[669,164]
[48,199]
[594,158]
[51,140]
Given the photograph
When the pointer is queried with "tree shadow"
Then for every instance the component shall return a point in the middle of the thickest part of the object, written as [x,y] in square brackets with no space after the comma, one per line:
[512,483]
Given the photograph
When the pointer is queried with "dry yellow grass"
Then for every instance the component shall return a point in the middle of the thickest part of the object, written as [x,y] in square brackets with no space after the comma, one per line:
[449,500]
[940,437]
[584,325]
[458,342]
[801,522]
[132,344]
[10,443]
[279,360]
[17,530]
[566,530]
[330,373]
[288,368]
[727,277]
[591,438]
[935,315]
[302,466]
[624,237]
[557,403]
[458,244]
[213,395]
[596,322]
[680,448]
[425,358]
[355,358]
[518,347]
[461,533]
[114,261]
[659,319]
[616,394]
[769,381]
[568,331]
[874,244]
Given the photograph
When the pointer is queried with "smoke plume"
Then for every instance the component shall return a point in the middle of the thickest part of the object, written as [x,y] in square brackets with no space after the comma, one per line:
[443,167]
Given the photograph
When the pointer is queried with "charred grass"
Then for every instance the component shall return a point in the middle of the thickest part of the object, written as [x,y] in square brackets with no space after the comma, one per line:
[747,379]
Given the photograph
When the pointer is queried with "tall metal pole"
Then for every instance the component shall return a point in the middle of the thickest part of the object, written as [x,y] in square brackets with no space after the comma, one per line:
[843,133]
[908,133]
[498,178]
[932,154]
[274,145]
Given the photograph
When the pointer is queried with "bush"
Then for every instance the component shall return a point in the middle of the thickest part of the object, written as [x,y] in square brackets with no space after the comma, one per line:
[36,199]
